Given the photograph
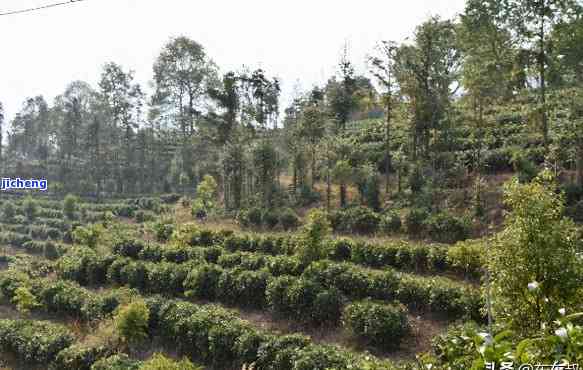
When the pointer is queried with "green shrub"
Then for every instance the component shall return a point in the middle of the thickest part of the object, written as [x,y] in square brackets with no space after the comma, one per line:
[132,322]
[526,169]
[246,288]
[446,228]
[88,235]
[390,223]
[163,229]
[30,208]
[536,258]
[467,257]
[318,357]
[288,219]
[79,357]
[116,362]
[576,211]
[304,300]
[8,212]
[307,196]
[314,232]
[255,217]
[160,362]
[70,206]
[125,211]
[415,222]
[360,220]
[142,216]
[203,282]
[24,300]
[33,341]
[284,265]
[375,255]
[252,217]
[378,324]
[170,198]
[270,218]
[128,247]
[341,249]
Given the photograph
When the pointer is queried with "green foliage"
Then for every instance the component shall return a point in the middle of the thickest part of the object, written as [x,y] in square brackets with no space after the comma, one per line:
[116,362]
[206,194]
[361,220]
[79,357]
[24,300]
[288,219]
[446,228]
[8,212]
[88,235]
[534,262]
[131,322]
[270,218]
[467,347]
[144,216]
[390,223]
[160,362]
[203,282]
[308,196]
[252,217]
[524,167]
[36,342]
[468,257]
[315,230]
[415,222]
[163,229]
[70,206]
[304,300]
[378,324]
[372,192]
[30,208]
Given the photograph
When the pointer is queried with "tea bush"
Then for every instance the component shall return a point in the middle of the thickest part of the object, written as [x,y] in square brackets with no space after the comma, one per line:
[116,362]
[288,219]
[131,322]
[390,223]
[33,341]
[71,206]
[446,228]
[203,281]
[361,220]
[79,357]
[378,324]
[415,222]
[270,218]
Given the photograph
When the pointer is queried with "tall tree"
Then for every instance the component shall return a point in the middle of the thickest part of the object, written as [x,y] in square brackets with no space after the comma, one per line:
[428,74]
[341,97]
[312,128]
[123,100]
[183,74]
[532,22]
[383,69]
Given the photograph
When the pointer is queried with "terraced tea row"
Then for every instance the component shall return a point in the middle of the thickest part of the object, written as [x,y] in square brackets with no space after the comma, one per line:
[210,333]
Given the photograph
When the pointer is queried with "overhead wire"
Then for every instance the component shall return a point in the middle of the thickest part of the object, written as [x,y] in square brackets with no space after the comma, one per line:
[21,11]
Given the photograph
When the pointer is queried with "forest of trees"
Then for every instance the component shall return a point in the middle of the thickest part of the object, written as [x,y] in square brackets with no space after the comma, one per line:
[498,88]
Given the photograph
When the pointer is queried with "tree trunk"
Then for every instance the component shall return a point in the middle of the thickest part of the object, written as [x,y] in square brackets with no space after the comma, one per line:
[313,167]
[579,162]
[545,124]
[388,146]
[342,195]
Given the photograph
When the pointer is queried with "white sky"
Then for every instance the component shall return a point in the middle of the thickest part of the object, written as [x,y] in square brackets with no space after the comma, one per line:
[41,52]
